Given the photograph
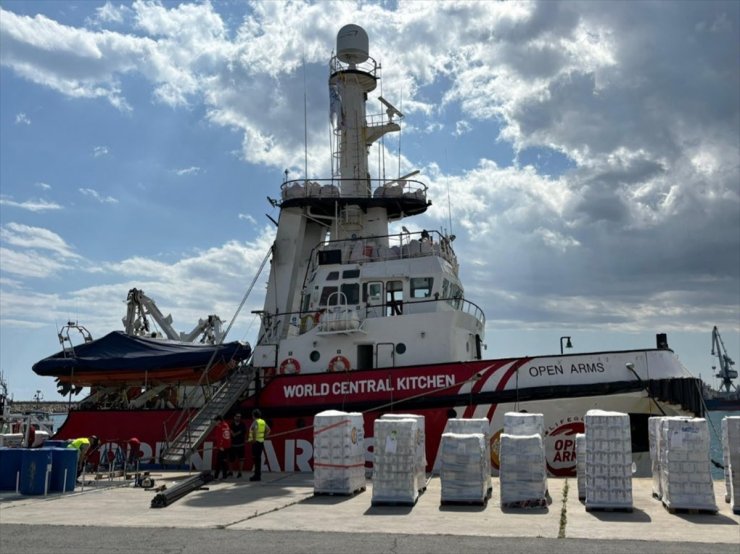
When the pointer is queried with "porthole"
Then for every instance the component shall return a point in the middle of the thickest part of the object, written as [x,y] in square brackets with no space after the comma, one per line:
[400,348]
[315,355]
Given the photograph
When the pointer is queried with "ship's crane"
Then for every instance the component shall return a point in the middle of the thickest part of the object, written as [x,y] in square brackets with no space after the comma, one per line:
[726,373]
[140,307]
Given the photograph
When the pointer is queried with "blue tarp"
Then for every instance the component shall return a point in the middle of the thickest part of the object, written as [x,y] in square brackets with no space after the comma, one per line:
[119,351]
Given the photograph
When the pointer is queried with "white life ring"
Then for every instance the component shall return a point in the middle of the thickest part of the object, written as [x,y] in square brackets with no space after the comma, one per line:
[339,363]
[290,366]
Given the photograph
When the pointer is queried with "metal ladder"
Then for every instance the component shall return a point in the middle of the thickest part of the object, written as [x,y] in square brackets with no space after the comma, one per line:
[197,428]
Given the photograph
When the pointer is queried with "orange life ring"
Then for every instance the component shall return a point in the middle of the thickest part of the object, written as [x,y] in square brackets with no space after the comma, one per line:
[339,363]
[290,365]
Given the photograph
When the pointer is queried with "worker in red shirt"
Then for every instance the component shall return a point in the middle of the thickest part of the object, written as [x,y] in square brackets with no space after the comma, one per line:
[223,444]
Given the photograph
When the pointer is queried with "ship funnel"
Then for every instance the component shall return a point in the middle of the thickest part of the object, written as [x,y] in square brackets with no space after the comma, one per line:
[352,44]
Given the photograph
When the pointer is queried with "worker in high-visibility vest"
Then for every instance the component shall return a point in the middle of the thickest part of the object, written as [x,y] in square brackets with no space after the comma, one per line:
[258,431]
[84,446]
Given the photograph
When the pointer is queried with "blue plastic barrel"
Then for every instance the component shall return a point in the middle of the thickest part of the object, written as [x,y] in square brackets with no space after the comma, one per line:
[56,444]
[10,465]
[34,463]
[61,459]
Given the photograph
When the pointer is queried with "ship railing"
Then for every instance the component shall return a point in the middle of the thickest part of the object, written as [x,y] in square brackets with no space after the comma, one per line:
[384,248]
[368,66]
[409,189]
[346,318]
[425,306]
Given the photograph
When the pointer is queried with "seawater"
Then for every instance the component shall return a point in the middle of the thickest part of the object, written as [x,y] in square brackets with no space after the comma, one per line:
[58,420]
[714,419]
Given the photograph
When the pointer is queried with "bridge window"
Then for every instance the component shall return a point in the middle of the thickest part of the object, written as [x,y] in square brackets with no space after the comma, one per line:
[333,276]
[350,274]
[326,293]
[421,287]
[351,292]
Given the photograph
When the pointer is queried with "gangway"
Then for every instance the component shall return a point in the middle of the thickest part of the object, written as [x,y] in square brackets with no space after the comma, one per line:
[197,428]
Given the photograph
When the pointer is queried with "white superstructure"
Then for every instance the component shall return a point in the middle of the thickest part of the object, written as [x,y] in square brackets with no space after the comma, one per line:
[342,292]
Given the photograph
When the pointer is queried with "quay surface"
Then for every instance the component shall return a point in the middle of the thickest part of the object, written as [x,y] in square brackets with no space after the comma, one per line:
[281,514]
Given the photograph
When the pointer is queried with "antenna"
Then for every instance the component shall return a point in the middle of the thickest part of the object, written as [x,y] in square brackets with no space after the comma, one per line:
[399,138]
[391,110]
[305,118]
[449,205]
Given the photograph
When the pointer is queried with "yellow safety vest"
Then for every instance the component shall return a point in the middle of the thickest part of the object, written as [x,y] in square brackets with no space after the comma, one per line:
[78,443]
[261,426]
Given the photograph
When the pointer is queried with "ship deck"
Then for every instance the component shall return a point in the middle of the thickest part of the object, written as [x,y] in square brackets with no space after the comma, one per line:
[286,503]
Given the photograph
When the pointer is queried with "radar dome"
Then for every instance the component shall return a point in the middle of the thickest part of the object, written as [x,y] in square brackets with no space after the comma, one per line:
[352,44]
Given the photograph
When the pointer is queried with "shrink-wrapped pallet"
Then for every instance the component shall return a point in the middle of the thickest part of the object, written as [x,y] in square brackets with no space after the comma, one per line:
[608,460]
[686,478]
[338,452]
[421,447]
[523,475]
[465,470]
[395,461]
[731,458]
[581,465]
[654,440]
[474,425]
[518,423]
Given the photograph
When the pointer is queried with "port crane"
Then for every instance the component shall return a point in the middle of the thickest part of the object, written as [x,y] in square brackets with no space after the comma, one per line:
[726,374]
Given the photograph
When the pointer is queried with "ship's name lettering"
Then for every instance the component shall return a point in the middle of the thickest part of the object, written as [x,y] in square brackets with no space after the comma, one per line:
[557,369]
[364,386]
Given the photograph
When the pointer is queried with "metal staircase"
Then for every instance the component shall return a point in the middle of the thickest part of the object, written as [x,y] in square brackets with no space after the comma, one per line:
[198,427]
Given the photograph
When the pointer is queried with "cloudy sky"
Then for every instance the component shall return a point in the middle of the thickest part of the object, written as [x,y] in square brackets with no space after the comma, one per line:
[590,152]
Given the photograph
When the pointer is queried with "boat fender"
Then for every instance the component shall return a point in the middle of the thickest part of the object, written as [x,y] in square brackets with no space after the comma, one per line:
[290,365]
[339,363]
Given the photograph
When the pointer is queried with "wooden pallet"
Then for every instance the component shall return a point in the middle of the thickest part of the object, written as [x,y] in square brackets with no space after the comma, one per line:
[526,504]
[334,493]
[622,509]
[376,503]
[472,502]
[691,511]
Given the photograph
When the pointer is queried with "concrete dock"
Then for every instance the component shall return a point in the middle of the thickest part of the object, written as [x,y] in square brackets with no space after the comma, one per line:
[286,503]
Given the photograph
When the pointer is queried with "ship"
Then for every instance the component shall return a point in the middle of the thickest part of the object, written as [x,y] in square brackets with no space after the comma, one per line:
[362,314]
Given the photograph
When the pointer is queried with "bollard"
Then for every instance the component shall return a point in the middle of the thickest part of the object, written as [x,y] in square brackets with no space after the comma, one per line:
[64,485]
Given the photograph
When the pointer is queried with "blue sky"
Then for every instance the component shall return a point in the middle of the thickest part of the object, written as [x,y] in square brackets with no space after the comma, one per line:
[591,151]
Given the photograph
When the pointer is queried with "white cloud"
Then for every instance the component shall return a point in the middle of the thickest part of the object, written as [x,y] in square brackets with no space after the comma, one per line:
[92,193]
[461,127]
[108,13]
[193,170]
[43,186]
[653,189]
[22,118]
[31,205]
[26,236]
[100,151]
[247,217]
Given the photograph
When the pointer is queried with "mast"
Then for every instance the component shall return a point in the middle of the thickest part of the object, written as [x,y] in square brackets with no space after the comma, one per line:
[354,74]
